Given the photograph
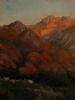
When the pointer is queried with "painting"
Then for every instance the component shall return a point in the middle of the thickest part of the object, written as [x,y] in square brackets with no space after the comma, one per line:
[37,49]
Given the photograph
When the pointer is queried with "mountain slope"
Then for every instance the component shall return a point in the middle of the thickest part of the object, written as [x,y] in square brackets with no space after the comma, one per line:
[8,33]
[51,23]
[63,38]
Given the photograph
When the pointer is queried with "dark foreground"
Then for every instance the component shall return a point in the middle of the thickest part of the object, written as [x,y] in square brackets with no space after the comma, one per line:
[28,90]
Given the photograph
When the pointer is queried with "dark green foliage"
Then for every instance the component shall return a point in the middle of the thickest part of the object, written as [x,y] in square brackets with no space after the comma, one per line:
[23,90]
[50,79]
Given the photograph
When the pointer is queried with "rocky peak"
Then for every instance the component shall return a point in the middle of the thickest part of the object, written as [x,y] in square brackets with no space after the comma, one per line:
[17,26]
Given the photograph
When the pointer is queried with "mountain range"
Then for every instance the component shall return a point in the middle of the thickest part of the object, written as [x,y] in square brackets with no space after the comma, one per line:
[46,47]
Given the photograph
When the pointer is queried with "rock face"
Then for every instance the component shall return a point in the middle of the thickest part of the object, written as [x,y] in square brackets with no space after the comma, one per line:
[52,23]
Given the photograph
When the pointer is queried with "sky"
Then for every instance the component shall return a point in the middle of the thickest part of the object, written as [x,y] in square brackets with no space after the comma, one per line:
[32,11]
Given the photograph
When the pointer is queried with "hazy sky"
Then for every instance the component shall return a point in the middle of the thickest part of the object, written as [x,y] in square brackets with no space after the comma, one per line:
[31,11]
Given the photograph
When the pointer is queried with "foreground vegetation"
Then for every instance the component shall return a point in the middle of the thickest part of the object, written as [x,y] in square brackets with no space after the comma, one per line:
[28,90]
